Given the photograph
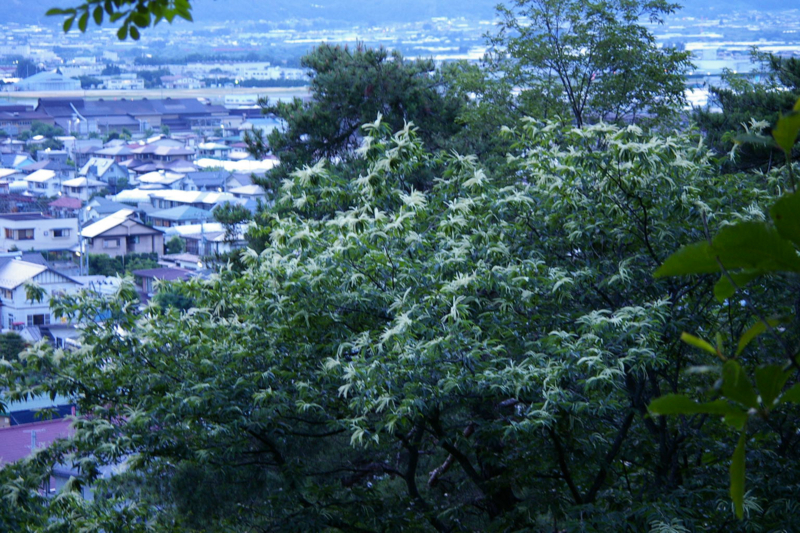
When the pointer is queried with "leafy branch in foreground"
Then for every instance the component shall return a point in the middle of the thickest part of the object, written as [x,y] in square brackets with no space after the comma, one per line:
[742,253]
[133,14]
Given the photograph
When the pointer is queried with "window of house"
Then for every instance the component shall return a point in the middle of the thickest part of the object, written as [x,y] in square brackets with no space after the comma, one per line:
[110,243]
[39,320]
[9,233]
[8,294]
[24,234]
[10,321]
[62,232]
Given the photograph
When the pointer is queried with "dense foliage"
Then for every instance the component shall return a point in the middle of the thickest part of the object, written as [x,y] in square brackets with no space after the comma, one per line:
[350,87]
[477,356]
[423,340]
[750,106]
[591,60]
[105,265]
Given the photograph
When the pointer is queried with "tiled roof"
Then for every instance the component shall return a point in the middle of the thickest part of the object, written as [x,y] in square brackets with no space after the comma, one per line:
[181,213]
[66,202]
[106,206]
[15,272]
[41,175]
[111,221]
[82,182]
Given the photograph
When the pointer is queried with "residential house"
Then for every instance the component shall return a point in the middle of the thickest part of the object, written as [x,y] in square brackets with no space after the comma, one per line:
[65,207]
[208,239]
[158,152]
[99,207]
[179,216]
[17,311]
[12,146]
[17,160]
[120,234]
[39,232]
[254,192]
[183,260]
[210,181]
[9,174]
[82,188]
[213,150]
[201,200]
[106,170]
[148,277]
[63,171]
[167,180]
[265,124]
[44,183]
[55,155]
[117,153]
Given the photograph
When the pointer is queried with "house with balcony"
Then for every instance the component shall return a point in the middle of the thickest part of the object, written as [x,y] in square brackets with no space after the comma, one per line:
[16,310]
[44,182]
[82,188]
[37,232]
[121,234]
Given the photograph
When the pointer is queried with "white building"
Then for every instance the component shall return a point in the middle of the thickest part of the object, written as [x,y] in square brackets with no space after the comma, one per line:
[37,232]
[17,311]
[82,188]
[44,182]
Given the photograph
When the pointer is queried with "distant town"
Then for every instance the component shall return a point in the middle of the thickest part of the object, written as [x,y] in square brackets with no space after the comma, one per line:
[237,55]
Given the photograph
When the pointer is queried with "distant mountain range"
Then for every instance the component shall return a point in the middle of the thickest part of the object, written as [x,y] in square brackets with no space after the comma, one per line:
[354,11]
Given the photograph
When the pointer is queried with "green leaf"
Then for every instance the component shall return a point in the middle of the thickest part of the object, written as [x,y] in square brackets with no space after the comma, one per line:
[83,21]
[749,138]
[785,131]
[786,215]
[678,404]
[755,246]
[134,33]
[747,245]
[98,15]
[68,24]
[54,11]
[737,476]
[770,381]
[697,342]
[697,258]
[724,289]
[141,19]
[757,329]
[792,395]
[736,419]
[736,386]
[122,33]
